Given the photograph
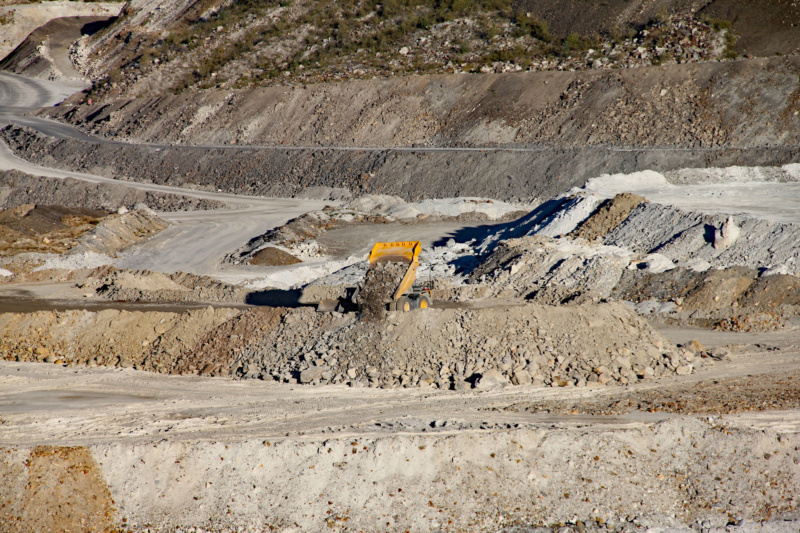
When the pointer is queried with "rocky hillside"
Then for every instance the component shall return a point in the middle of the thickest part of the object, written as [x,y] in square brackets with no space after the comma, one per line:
[741,103]
[180,45]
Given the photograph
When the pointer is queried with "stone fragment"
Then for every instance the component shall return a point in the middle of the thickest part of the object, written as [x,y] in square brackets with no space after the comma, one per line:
[491,379]
[720,354]
[694,347]
[521,377]
[726,235]
[462,385]
[684,370]
[310,374]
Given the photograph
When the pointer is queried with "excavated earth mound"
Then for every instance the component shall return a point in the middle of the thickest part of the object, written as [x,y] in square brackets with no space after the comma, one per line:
[156,341]
[456,348]
[548,271]
[271,256]
[608,216]
[449,348]
[44,228]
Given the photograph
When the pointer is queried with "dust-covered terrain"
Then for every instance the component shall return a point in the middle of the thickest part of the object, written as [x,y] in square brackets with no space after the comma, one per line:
[603,333]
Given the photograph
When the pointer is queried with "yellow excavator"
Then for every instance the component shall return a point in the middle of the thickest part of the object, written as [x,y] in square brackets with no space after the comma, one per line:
[408,295]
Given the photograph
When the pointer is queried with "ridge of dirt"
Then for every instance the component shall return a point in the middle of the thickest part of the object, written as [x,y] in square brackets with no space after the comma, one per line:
[541,173]
[487,348]
[295,240]
[455,348]
[17,188]
[734,287]
[119,231]
[155,341]
[608,215]
[146,286]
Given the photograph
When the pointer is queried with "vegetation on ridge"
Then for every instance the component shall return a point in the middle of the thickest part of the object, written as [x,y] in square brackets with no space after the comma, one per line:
[250,43]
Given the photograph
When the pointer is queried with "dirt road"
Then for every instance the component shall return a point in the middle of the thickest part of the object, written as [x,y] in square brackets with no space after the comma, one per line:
[197,241]
[121,404]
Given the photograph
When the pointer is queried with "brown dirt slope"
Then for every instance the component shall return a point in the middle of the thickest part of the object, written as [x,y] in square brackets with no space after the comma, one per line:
[63,491]
[607,216]
[60,33]
[47,229]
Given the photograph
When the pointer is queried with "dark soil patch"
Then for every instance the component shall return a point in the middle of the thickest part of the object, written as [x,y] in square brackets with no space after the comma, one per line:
[273,257]
[608,216]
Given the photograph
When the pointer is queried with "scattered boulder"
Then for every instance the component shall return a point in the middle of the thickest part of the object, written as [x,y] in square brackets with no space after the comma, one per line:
[726,235]
[490,380]
[311,374]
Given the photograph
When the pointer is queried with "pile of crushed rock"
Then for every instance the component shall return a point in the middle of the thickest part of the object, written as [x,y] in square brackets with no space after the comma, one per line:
[377,289]
[601,344]
[147,286]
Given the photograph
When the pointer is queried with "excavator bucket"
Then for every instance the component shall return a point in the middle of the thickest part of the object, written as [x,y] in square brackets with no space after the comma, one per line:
[406,252]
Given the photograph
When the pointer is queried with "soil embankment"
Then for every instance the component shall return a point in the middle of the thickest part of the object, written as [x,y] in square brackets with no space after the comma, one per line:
[743,103]
[444,349]
[410,174]
[18,188]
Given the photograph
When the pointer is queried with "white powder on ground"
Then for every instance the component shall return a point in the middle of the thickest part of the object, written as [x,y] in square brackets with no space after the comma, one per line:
[296,276]
[655,263]
[76,262]
[397,208]
[765,193]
